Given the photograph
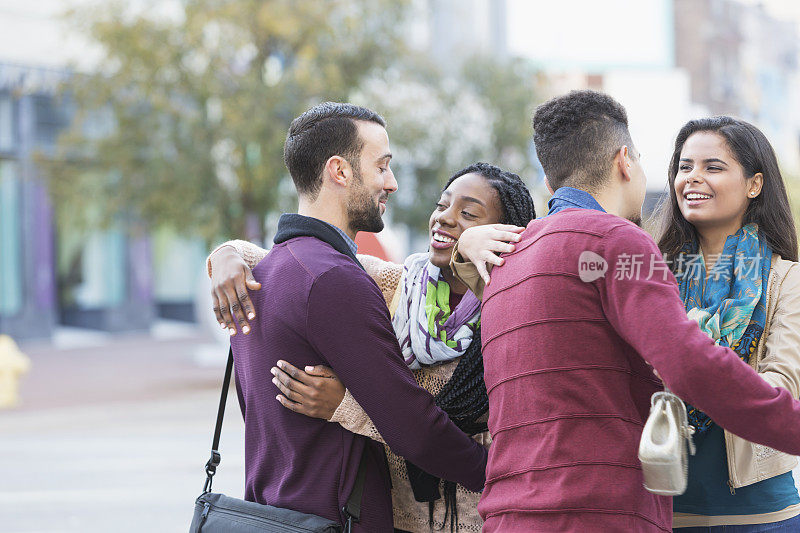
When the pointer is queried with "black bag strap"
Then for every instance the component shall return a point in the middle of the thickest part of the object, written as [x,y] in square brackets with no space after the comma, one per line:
[213,462]
[352,509]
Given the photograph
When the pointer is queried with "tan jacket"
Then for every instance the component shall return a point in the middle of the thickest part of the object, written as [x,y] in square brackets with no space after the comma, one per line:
[409,514]
[777,360]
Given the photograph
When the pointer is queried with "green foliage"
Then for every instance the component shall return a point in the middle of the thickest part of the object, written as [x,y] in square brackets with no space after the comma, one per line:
[440,123]
[184,123]
[793,189]
[512,89]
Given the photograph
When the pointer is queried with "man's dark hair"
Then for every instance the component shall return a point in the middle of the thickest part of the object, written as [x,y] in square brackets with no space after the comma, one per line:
[576,137]
[325,130]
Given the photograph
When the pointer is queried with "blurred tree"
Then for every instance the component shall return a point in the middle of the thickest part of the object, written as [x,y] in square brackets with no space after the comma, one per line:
[183,124]
[439,124]
[793,190]
[435,127]
[512,88]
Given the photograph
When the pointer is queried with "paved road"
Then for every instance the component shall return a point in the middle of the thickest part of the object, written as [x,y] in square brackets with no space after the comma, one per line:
[126,467]
[113,438]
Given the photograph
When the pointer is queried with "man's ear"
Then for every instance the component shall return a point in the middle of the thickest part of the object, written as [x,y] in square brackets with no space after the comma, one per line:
[338,170]
[624,163]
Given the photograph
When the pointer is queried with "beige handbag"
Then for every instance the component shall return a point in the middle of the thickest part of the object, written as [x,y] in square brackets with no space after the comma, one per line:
[666,439]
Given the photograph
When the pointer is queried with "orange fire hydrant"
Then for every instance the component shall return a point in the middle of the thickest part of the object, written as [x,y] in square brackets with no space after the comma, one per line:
[13,363]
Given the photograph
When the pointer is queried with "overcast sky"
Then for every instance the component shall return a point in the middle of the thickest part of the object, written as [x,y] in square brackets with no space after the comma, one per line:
[586,32]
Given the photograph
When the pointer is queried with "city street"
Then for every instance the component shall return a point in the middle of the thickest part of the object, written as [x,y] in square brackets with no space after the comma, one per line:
[114,431]
[114,437]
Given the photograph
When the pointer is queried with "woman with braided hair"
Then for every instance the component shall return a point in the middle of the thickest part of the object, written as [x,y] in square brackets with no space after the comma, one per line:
[437,323]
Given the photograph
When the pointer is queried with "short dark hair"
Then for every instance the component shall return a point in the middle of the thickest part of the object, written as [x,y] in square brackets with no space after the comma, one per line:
[770,209]
[515,198]
[576,136]
[325,130]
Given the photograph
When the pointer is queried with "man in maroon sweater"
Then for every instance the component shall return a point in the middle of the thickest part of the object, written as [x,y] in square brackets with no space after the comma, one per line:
[569,337]
[317,306]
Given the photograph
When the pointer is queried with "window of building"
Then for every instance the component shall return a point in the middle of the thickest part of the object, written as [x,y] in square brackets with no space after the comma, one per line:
[179,264]
[91,270]
[10,239]
[7,137]
[52,116]
[179,273]
[91,264]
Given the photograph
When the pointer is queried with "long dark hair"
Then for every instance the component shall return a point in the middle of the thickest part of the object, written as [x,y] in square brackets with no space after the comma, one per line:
[770,209]
[464,397]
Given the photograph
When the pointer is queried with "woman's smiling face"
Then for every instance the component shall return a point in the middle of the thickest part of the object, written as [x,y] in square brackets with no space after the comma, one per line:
[468,201]
[711,187]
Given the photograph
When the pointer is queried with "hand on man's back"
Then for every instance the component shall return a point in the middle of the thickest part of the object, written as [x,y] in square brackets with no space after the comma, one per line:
[231,278]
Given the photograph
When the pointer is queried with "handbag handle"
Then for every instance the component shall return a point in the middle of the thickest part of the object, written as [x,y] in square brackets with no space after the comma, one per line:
[351,509]
[684,428]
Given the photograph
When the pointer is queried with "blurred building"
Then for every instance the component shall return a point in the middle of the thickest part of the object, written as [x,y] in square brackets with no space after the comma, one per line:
[743,61]
[52,275]
[670,61]
[453,30]
[624,48]
[667,61]
[28,122]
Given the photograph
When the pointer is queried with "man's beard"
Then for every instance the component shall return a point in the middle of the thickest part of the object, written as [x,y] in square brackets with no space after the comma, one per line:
[636,219]
[363,213]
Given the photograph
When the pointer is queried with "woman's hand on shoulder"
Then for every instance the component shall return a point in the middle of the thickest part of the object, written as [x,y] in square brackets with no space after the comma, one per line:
[231,278]
[315,392]
[482,245]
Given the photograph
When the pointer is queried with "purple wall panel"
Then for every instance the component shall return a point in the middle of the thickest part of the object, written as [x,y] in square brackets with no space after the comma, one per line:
[141,265]
[44,254]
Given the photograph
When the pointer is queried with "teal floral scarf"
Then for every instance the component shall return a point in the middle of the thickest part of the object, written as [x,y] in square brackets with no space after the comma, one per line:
[729,303]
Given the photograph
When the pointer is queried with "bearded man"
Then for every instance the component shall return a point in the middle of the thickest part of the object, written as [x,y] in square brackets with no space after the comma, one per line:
[318,306]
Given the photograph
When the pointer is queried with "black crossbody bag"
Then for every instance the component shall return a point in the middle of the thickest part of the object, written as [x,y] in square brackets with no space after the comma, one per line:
[217,513]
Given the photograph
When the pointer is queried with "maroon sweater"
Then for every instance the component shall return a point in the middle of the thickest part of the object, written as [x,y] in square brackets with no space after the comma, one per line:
[318,306]
[566,366]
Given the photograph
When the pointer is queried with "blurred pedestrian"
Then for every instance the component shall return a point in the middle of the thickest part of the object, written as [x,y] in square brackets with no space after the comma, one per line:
[728,207]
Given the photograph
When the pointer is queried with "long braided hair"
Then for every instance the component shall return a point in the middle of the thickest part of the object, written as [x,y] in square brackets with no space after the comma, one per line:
[464,397]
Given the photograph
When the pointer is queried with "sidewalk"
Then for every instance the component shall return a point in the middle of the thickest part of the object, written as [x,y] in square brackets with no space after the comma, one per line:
[113,434]
[84,368]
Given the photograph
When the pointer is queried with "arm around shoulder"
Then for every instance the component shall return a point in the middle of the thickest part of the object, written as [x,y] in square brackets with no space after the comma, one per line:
[251,253]
[352,417]
[348,324]
[467,273]
[385,274]
[648,313]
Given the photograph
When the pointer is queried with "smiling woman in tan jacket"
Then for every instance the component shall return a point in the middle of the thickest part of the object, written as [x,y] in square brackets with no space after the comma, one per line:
[728,229]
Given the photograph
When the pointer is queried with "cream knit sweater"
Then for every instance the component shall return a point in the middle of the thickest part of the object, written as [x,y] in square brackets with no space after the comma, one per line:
[409,514]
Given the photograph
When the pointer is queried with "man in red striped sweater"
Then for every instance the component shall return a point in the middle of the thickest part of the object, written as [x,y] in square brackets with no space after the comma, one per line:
[568,341]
